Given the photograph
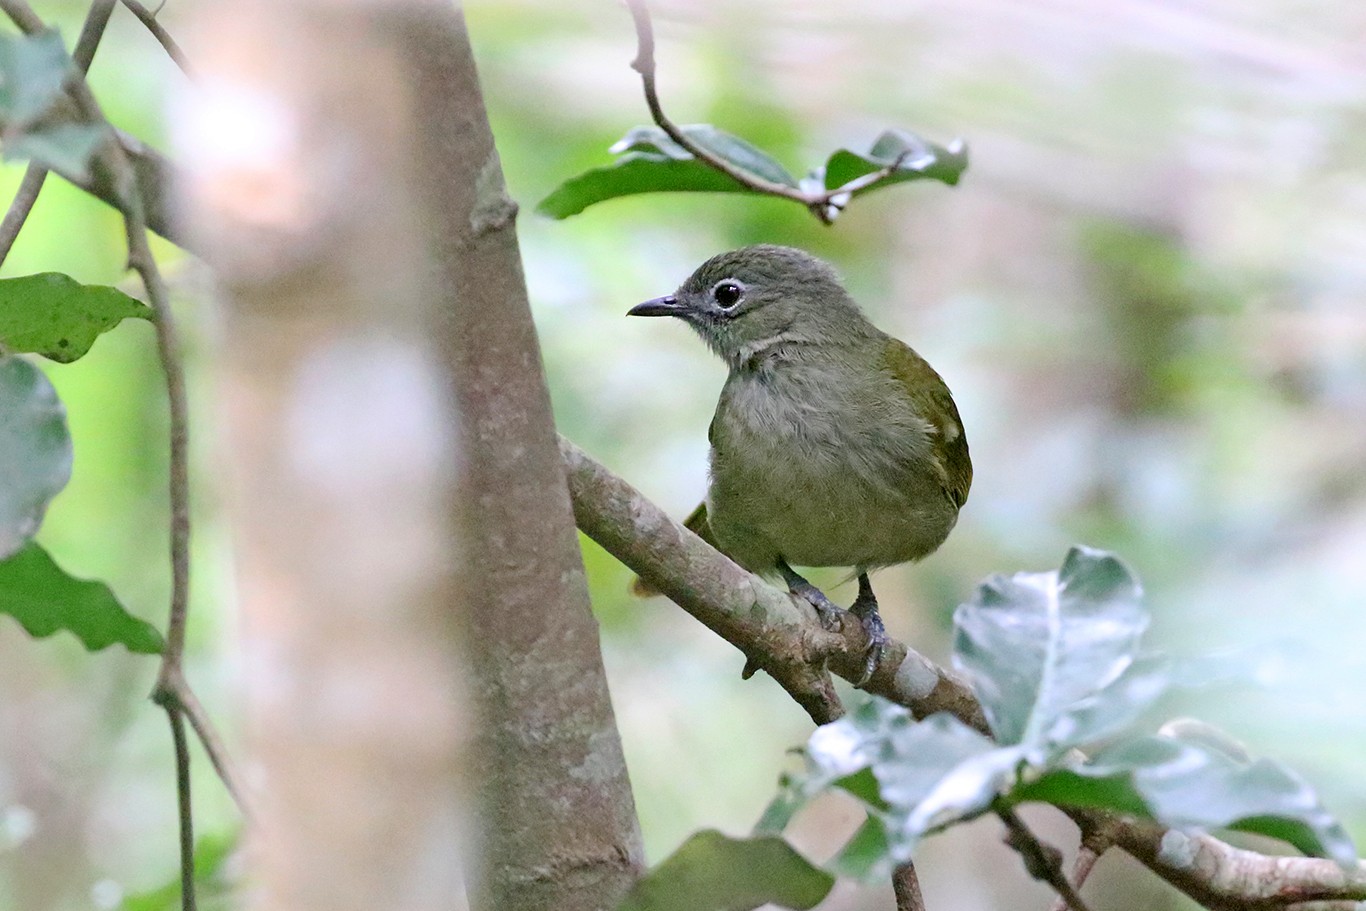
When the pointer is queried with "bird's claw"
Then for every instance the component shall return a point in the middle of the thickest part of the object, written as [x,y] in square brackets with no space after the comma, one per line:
[827,611]
[865,608]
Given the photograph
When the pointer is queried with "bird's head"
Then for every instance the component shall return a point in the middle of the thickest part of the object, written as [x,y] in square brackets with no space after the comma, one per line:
[747,300]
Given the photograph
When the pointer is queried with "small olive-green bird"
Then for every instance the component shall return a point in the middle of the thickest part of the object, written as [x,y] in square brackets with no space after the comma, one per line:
[833,443]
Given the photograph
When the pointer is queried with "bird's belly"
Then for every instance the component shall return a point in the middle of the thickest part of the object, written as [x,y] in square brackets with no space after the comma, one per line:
[822,509]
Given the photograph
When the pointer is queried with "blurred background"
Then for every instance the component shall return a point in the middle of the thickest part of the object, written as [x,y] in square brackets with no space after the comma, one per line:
[1147,295]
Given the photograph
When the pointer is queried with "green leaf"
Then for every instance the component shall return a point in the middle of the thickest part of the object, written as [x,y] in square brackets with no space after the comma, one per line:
[725,145]
[58,317]
[867,855]
[35,451]
[1195,784]
[712,872]
[44,599]
[1037,644]
[66,148]
[654,163]
[919,160]
[211,854]
[33,69]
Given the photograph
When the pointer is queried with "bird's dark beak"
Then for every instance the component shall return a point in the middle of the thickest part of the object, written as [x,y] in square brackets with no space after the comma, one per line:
[668,305]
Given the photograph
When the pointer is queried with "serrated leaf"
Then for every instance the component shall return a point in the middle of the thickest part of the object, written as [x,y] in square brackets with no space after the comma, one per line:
[44,599]
[33,69]
[66,148]
[58,317]
[712,872]
[919,159]
[1196,785]
[1036,644]
[35,451]
[651,162]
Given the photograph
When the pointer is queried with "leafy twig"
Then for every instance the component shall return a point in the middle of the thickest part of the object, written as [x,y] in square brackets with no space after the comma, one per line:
[149,19]
[35,174]
[1044,862]
[824,204]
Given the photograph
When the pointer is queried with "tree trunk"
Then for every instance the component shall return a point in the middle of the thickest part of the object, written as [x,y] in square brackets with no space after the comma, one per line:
[405,540]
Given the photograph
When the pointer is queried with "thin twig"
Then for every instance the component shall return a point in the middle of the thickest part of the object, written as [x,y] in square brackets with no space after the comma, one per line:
[1044,862]
[1088,853]
[906,887]
[825,204]
[182,773]
[149,19]
[213,745]
[35,174]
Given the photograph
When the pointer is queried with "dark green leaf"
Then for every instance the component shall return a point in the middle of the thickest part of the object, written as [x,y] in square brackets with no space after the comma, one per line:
[733,149]
[66,148]
[44,599]
[35,451]
[867,855]
[1037,644]
[58,317]
[653,163]
[712,872]
[33,69]
[635,172]
[918,158]
[1195,784]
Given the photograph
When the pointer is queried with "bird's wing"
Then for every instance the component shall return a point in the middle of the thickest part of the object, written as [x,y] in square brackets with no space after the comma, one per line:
[931,399]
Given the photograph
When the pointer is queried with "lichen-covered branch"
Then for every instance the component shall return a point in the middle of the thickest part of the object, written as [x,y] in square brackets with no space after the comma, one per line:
[773,630]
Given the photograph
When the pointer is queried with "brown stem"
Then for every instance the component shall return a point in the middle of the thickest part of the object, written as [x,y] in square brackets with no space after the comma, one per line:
[149,19]
[182,770]
[1044,862]
[1088,852]
[906,888]
[822,204]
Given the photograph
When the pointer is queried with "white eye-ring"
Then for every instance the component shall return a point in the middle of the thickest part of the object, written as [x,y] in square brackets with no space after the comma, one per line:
[727,293]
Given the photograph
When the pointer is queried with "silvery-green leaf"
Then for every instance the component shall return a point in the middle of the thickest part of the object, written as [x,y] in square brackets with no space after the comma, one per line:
[1036,644]
[919,159]
[33,69]
[35,451]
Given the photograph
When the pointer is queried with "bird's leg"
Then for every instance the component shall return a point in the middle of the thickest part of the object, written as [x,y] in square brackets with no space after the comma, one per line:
[826,610]
[865,608]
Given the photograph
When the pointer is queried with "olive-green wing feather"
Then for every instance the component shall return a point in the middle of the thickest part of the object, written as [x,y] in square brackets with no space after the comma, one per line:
[697,523]
[934,402]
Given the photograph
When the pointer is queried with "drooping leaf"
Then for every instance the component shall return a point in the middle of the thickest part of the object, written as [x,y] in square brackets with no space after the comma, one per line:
[44,599]
[651,162]
[58,317]
[1194,784]
[35,451]
[712,872]
[33,69]
[919,160]
[1036,644]
[66,148]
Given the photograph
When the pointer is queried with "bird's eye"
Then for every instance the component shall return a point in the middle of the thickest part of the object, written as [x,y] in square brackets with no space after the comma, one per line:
[727,294]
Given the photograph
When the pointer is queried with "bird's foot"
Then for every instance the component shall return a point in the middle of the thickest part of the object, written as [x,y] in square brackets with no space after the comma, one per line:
[827,611]
[865,608]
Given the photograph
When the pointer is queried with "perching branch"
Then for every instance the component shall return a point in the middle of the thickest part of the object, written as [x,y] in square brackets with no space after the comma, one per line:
[824,204]
[906,888]
[774,632]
